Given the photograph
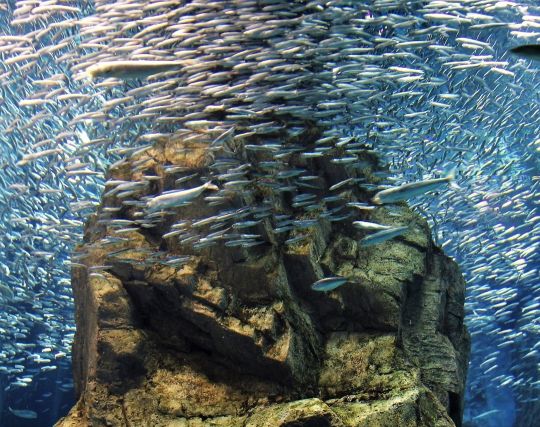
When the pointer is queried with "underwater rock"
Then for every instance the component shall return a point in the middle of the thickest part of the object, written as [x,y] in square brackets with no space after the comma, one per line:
[236,336]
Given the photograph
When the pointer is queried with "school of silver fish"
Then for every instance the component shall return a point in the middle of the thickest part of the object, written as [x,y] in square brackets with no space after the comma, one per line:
[428,85]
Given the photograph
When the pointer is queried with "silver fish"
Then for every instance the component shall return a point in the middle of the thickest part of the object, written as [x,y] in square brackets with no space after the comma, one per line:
[406,191]
[328,283]
[23,413]
[370,226]
[131,69]
[383,236]
[178,197]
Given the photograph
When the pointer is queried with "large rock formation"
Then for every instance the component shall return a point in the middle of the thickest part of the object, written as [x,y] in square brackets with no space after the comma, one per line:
[236,337]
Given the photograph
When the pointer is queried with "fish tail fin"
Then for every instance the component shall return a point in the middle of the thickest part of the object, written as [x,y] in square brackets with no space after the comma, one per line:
[210,186]
[90,75]
[450,174]
[454,186]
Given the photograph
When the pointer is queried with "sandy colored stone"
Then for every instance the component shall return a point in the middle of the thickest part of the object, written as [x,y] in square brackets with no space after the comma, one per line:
[237,337]
[416,407]
[301,412]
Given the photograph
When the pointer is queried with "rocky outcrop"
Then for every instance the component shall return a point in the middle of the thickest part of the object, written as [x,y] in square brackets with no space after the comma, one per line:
[236,336]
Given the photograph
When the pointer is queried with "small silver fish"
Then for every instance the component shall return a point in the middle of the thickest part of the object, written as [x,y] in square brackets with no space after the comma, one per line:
[370,226]
[131,69]
[383,236]
[23,413]
[177,198]
[328,284]
[406,191]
